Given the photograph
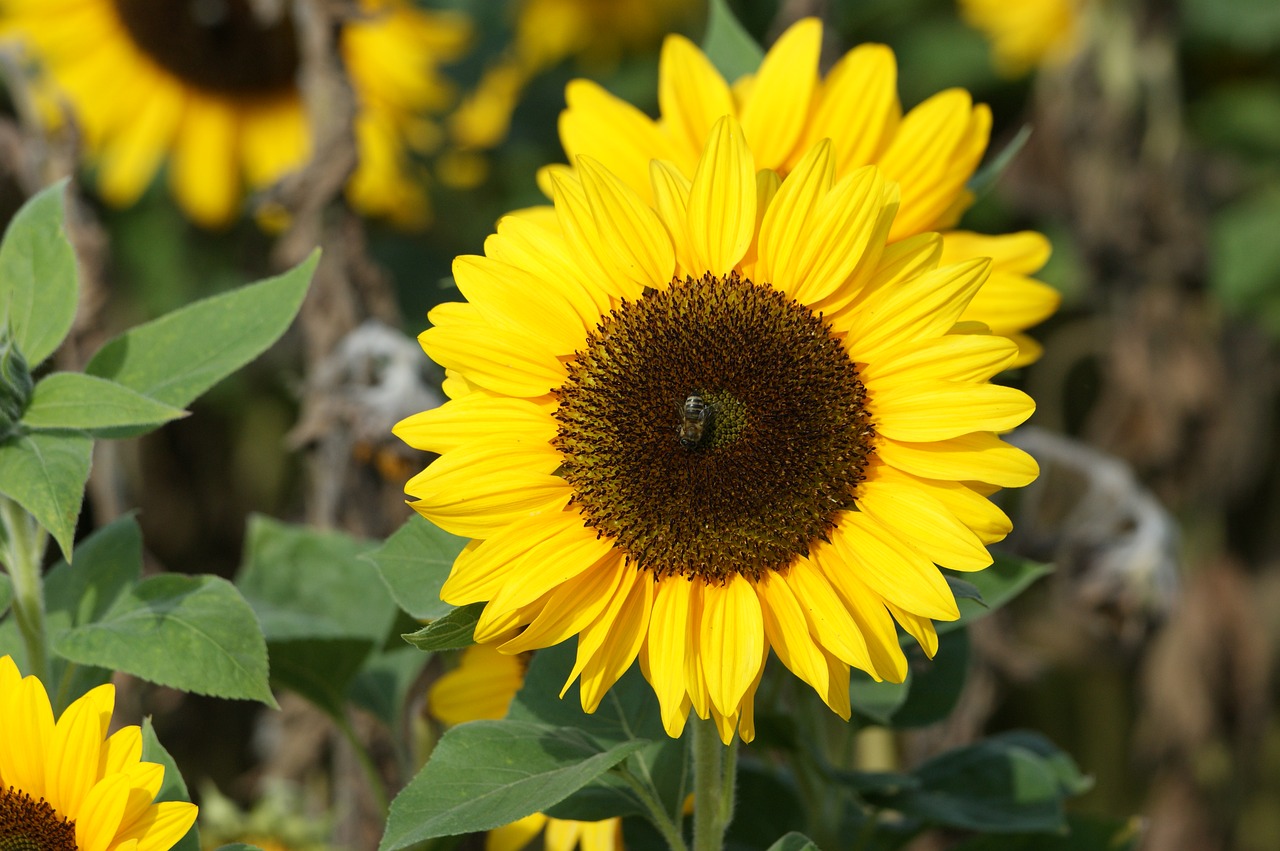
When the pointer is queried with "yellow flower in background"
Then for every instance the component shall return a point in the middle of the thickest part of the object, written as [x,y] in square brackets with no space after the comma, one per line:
[597,33]
[70,786]
[211,89]
[786,108]
[729,420]
[482,687]
[1026,34]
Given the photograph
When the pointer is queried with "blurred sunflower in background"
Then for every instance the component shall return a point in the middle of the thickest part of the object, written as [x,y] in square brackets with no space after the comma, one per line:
[785,108]
[211,87]
[1026,34]
[596,34]
[719,418]
[482,687]
[70,785]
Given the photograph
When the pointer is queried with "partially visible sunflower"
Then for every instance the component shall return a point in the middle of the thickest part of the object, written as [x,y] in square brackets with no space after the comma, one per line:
[69,786]
[731,420]
[597,33]
[483,686]
[785,108]
[1026,34]
[212,88]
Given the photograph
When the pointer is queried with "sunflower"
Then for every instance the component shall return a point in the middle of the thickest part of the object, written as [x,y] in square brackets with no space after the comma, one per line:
[1027,34]
[785,108]
[213,89]
[70,786]
[729,421]
[483,686]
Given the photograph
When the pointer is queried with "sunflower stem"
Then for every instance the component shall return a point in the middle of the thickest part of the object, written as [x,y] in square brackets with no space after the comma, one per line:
[23,549]
[658,817]
[714,765]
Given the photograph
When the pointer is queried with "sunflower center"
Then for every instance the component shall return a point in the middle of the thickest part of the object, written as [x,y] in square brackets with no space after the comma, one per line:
[27,825]
[714,427]
[222,46]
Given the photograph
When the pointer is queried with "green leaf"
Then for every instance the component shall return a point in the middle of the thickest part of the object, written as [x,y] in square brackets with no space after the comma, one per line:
[46,475]
[1084,833]
[70,400]
[485,774]
[998,584]
[305,583]
[877,700]
[414,563]
[39,285]
[173,787]
[451,632]
[935,683]
[194,633]
[319,669]
[383,683]
[6,593]
[768,805]
[794,842]
[1244,258]
[177,357]
[1006,784]
[1252,25]
[727,43]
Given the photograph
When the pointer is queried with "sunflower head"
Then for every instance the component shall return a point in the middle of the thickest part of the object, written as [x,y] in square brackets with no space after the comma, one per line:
[730,420]
[68,785]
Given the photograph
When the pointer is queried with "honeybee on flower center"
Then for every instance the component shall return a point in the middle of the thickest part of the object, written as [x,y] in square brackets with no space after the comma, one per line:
[695,416]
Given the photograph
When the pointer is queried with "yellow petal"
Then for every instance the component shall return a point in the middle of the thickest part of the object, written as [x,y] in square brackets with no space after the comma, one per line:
[967,501]
[145,779]
[938,410]
[98,815]
[575,603]
[509,297]
[630,229]
[722,200]
[582,236]
[692,95]
[925,523]
[671,202]
[783,224]
[137,151]
[481,687]
[668,650]
[917,308]
[483,567]
[592,638]
[857,107]
[76,748]
[567,554]
[897,573]
[788,632]
[732,641]
[276,139]
[476,490]
[121,750]
[980,455]
[476,418]
[511,364]
[613,131]
[774,114]
[515,836]
[921,629]
[526,240]
[204,171]
[626,635]
[868,611]
[955,357]
[829,621]
[161,826]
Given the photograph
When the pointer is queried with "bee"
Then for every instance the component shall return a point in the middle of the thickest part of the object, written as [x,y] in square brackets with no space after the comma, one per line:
[695,416]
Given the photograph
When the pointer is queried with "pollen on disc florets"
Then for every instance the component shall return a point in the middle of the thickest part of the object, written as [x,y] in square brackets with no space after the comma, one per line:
[27,824]
[227,47]
[784,447]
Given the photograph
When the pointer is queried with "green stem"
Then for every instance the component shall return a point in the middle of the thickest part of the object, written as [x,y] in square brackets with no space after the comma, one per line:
[24,549]
[658,817]
[376,786]
[714,766]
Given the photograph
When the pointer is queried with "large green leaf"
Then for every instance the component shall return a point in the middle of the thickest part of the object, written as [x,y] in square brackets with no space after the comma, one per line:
[414,563]
[39,286]
[173,787]
[454,631]
[383,683]
[70,400]
[1084,833]
[489,773]
[194,633]
[794,842]
[1011,783]
[46,475]
[728,45]
[927,695]
[177,357]
[306,583]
